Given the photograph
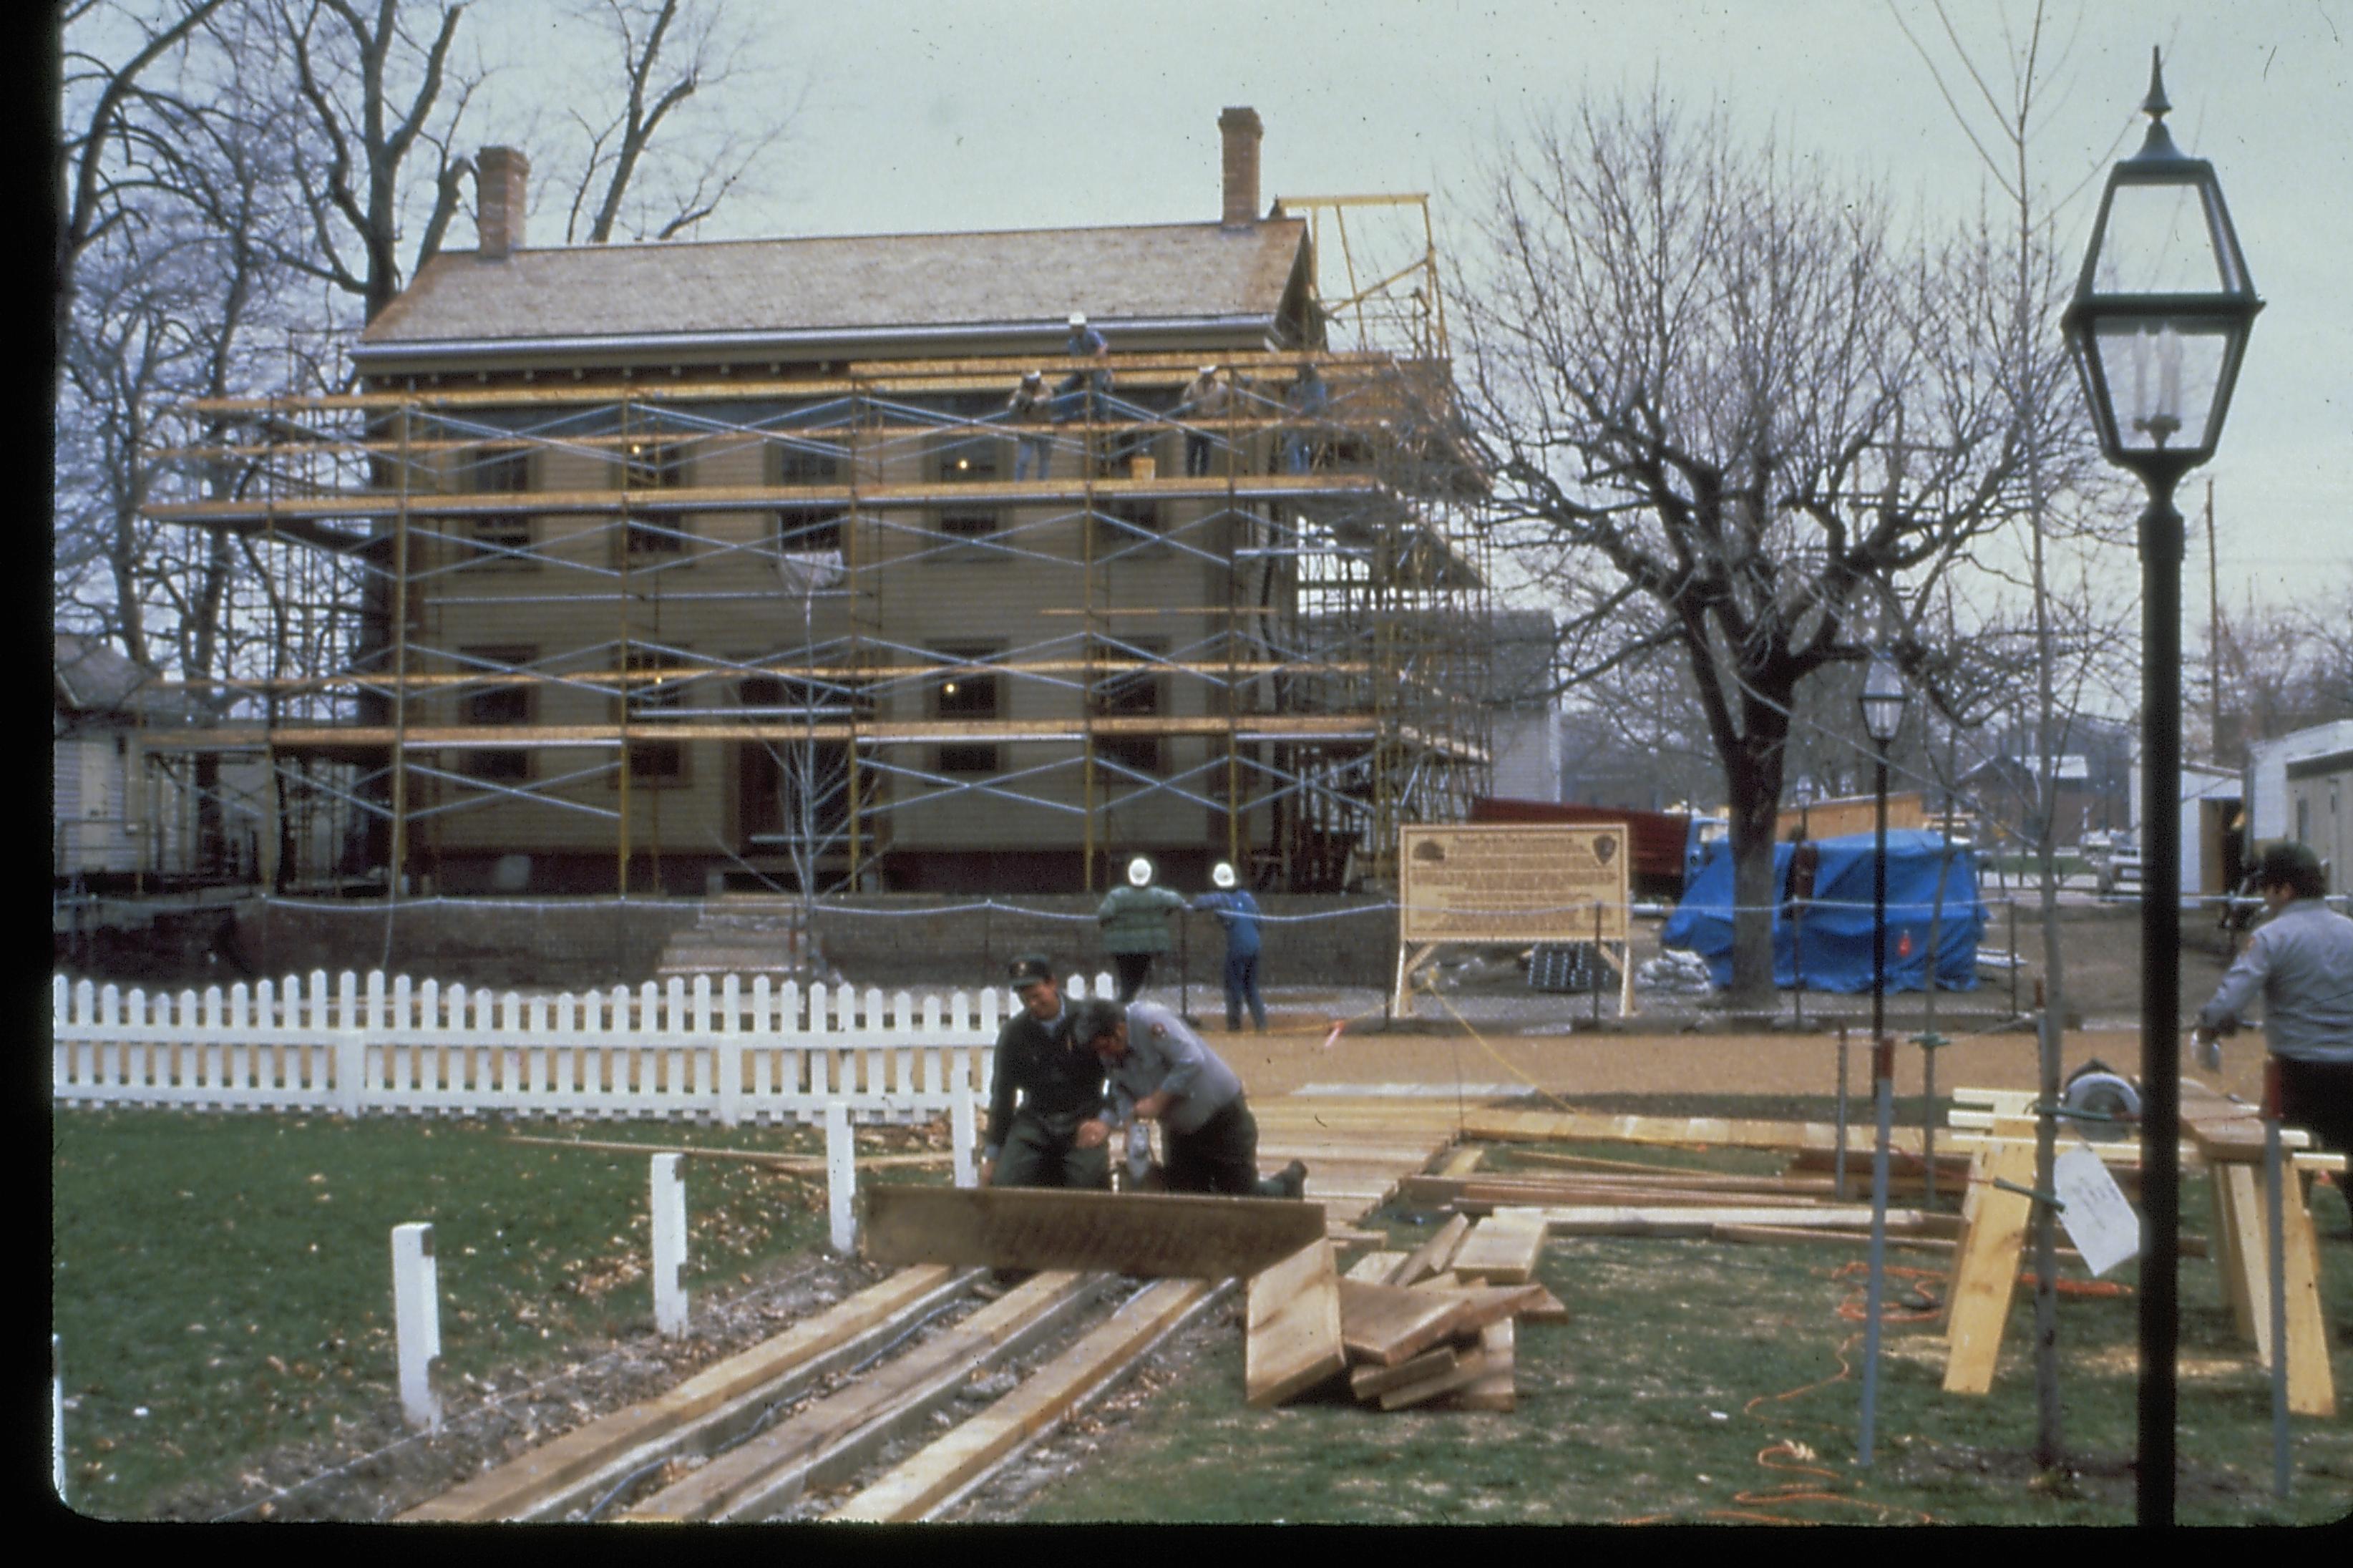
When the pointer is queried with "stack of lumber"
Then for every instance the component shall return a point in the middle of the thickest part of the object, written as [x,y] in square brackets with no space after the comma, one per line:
[1433,1327]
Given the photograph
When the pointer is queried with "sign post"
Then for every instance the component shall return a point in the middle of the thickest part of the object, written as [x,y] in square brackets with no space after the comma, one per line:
[1512,883]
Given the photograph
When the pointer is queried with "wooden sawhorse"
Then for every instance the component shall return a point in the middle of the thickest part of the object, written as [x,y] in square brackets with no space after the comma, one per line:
[2229,1138]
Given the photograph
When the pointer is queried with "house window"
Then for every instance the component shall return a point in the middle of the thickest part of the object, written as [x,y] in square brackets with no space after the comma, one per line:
[1126,525]
[649,701]
[496,538]
[497,708]
[655,466]
[806,526]
[966,695]
[967,460]
[974,527]
[1132,688]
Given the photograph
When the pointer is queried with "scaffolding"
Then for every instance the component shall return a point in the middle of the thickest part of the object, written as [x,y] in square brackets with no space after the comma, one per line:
[860,628]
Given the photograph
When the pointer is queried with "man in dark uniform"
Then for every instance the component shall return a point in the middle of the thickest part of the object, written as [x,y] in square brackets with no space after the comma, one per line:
[1055,1136]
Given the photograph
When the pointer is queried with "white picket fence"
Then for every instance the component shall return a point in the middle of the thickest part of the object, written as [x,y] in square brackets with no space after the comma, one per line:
[684,1050]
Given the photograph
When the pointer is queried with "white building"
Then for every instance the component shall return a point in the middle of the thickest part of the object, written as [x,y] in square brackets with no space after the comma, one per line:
[2211,812]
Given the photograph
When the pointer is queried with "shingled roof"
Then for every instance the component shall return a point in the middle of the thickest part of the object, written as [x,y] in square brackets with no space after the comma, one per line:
[852,296]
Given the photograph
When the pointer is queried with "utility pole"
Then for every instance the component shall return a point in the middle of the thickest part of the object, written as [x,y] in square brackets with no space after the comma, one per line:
[2213,635]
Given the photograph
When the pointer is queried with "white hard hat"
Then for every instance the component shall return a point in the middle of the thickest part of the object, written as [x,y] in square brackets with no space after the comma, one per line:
[1209,369]
[1139,871]
[1077,318]
[1223,875]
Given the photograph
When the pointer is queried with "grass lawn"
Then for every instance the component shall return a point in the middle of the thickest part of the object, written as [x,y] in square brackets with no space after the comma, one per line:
[222,1284]
[1702,1381]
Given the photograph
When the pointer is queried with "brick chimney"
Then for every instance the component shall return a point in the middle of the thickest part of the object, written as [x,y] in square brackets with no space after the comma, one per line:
[502,181]
[1241,130]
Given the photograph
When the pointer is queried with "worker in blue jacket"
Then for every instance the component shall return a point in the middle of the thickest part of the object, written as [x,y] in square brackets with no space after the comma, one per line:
[1238,912]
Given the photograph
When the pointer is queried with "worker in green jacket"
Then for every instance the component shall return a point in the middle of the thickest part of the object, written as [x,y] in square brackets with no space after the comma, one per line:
[1134,921]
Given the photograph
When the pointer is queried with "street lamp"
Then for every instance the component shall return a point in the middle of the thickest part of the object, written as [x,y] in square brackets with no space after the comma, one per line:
[1882,703]
[2158,323]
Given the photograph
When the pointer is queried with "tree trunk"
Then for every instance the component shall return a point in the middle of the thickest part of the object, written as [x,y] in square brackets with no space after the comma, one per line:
[1753,784]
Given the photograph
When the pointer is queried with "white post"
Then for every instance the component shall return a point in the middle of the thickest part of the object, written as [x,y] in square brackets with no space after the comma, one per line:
[416,1323]
[669,1244]
[840,1175]
[960,1109]
[57,1417]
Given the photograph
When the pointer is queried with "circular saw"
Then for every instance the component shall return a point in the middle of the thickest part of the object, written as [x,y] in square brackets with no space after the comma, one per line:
[2100,1103]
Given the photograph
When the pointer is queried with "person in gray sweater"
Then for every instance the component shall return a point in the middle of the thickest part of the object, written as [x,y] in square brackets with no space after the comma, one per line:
[2301,961]
[1160,1070]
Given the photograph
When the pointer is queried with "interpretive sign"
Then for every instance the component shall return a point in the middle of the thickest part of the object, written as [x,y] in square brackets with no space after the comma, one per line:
[1513,882]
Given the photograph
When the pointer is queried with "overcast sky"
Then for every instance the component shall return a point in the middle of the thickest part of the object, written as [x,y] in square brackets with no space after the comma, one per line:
[950,114]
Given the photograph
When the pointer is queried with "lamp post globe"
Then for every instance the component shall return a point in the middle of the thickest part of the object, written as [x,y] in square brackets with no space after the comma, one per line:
[2158,326]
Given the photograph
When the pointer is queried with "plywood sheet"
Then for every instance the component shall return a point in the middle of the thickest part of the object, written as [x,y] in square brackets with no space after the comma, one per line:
[1293,1338]
[1502,1250]
[1144,1235]
[1387,1324]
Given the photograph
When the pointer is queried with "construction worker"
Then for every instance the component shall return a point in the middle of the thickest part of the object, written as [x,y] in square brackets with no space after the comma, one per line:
[1054,1135]
[1238,912]
[1207,396]
[1306,403]
[2301,960]
[1084,344]
[1031,407]
[1134,921]
[1161,1071]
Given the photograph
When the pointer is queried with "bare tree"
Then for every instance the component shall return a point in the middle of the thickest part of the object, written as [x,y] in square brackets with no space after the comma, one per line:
[104,153]
[678,142]
[375,93]
[1715,375]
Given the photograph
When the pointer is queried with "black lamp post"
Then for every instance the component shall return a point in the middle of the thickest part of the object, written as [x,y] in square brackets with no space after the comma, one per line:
[2158,326]
[1882,701]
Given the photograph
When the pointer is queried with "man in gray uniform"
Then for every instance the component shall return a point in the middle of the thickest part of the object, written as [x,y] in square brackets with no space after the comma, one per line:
[2301,960]
[1162,1071]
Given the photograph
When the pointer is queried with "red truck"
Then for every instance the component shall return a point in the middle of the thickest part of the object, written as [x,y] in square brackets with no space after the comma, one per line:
[1665,843]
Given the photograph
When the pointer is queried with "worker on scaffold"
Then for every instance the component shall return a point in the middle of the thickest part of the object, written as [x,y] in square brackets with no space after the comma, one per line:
[1031,407]
[1206,397]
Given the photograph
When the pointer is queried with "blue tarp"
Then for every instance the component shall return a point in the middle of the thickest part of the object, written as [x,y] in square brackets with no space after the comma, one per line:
[1838,922]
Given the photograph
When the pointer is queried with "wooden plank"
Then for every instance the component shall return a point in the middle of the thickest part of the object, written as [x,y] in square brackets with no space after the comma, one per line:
[1481,1198]
[1143,1235]
[2239,1219]
[1770,1233]
[1715,1131]
[1468,1370]
[2311,1387]
[1502,1250]
[1387,1324]
[1987,1271]
[836,1433]
[1682,1222]
[1372,1382]
[1493,1389]
[1433,1254]
[936,1475]
[699,1413]
[1479,1305]
[1464,1161]
[1374,1267]
[1293,1341]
